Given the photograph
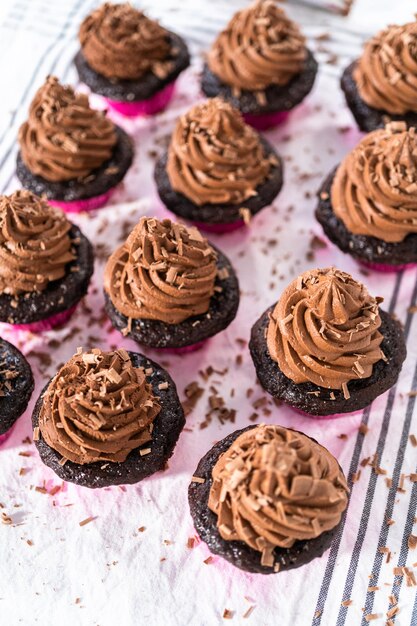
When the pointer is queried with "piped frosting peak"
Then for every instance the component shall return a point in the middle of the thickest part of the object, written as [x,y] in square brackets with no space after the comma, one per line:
[259,47]
[276,486]
[98,407]
[35,245]
[64,138]
[214,157]
[325,330]
[386,73]
[374,191]
[164,271]
[120,42]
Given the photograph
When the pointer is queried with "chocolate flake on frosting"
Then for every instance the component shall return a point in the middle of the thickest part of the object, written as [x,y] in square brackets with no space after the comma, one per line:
[276,486]
[120,42]
[98,407]
[324,330]
[374,191]
[260,47]
[164,271]
[35,246]
[64,138]
[214,157]
[386,73]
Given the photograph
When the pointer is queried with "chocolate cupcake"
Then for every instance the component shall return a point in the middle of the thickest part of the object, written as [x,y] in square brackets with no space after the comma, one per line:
[16,386]
[129,59]
[326,348]
[381,85]
[107,418]
[218,172]
[268,499]
[70,153]
[45,263]
[368,206]
[167,287]
[260,64]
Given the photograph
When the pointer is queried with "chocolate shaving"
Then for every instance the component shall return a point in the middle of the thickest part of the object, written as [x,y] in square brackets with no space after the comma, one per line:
[87,520]
[193,393]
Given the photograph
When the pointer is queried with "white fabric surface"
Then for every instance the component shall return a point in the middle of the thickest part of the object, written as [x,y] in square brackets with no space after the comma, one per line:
[108,572]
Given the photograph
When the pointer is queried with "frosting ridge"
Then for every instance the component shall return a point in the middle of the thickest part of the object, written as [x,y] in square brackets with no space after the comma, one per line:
[164,271]
[64,138]
[214,157]
[118,41]
[260,47]
[35,245]
[374,191]
[98,407]
[324,330]
[276,486]
[386,73]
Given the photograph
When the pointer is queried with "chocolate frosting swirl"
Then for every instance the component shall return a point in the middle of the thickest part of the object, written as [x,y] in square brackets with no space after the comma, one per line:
[386,73]
[374,191]
[260,47]
[35,246]
[214,157]
[64,138]
[98,407]
[324,330]
[274,487]
[164,272]
[118,41]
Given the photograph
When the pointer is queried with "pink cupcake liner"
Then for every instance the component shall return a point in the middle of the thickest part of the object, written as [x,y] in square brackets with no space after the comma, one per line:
[219,229]
[87,204]
[185,349]
[326,417]
[4,437]
[382,267]
[263,121]
[59,319]
[142,108]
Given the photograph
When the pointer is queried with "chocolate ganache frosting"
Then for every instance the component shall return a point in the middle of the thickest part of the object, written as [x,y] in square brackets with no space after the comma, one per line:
[324,330]
[374,191]
[214,157]
[118,41]
[386,73]
[274,487]
[35,246]
[64,138]
[164,272]
[260,47]
[98,407]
